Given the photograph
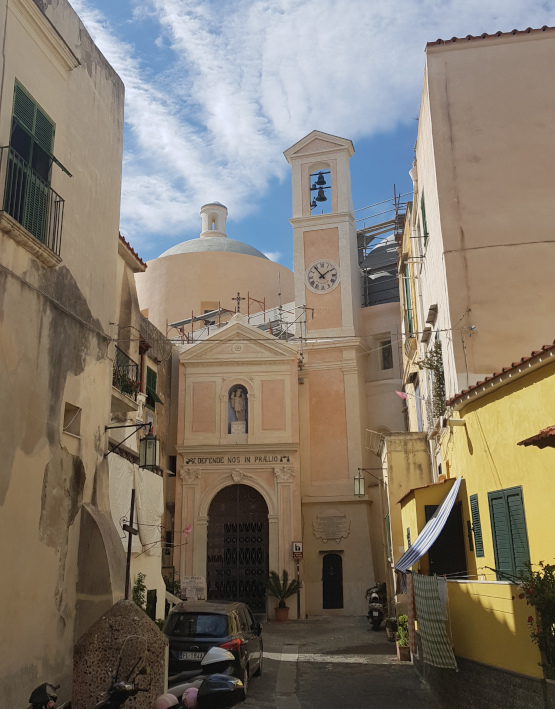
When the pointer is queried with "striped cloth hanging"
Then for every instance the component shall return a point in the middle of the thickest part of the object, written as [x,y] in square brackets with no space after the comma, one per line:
[436,648]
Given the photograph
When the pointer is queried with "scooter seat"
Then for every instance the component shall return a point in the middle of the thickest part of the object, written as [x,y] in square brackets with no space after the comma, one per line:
[183,677]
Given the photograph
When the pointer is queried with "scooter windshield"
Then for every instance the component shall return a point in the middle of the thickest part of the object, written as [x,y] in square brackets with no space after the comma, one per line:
[131,660]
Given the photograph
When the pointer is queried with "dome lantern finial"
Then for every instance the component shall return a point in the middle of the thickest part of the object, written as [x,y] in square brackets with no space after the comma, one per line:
[214,216]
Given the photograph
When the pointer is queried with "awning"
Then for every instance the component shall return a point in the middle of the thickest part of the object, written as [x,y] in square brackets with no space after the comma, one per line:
[431,531]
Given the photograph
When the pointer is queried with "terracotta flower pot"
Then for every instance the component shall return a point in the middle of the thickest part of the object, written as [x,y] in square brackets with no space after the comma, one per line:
[281,614]
[403,653]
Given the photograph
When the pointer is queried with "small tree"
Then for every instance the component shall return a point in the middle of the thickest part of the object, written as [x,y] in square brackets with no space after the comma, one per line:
[538,588]
[281,588]
[139,590]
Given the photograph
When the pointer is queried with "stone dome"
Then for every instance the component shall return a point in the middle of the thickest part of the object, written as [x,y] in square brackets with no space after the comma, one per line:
[213,243]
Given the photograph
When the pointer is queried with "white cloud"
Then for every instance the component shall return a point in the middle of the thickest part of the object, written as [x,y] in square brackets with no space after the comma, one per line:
[251,77]
[273,255]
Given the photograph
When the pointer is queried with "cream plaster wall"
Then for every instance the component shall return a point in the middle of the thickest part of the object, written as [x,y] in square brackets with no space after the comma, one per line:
[54,337]
[355,550]
[175,286]
[485,160]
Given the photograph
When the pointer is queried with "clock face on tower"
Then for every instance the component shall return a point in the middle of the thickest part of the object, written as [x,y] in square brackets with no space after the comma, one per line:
[322,276]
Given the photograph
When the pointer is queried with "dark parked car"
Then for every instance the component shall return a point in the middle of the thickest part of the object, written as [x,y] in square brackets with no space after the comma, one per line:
[193,627]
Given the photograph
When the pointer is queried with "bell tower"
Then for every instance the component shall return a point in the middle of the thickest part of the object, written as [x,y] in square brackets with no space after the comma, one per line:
[332,400]
[327,276]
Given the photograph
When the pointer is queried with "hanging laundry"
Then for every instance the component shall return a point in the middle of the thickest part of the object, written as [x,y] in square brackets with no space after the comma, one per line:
[411,612]
[436,648]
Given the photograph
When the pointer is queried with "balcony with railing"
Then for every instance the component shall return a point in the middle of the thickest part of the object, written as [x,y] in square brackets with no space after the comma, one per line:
[32,212]
[125,380]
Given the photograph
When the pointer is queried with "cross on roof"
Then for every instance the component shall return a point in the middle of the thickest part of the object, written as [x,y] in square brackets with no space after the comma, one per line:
[238,299]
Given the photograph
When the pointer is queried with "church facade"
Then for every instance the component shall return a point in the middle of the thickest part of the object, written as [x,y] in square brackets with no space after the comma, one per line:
[273,407]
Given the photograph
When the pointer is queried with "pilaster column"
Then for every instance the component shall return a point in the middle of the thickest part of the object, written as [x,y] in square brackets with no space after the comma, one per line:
[190,489]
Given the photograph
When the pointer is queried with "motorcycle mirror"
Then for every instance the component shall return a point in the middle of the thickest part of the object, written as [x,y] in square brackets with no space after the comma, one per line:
[216,654]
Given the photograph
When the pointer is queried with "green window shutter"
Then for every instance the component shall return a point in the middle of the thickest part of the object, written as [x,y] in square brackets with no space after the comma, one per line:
[152,397]
[33,119]
[501,533]
[36,207]
[24,108]
[151,378]
[408,301]
[476,525]
[517,522]
[424,222]
[508,526]
[32,138]
[44,130]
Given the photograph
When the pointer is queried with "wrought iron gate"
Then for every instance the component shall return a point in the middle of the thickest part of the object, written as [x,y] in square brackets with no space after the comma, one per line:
[237,564]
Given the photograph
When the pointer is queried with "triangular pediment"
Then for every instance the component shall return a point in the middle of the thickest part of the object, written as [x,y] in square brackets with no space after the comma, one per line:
[238,342]
[318,143]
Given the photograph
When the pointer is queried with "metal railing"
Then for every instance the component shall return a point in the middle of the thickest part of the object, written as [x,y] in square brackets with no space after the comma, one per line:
[125,376]
[30,200]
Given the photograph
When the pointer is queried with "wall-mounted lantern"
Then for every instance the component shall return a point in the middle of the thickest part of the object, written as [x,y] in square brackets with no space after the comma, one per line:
[149,451]
[359,484]
[149,445]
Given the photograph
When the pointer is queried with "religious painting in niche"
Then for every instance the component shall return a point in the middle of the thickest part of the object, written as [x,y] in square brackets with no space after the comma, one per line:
[238,410]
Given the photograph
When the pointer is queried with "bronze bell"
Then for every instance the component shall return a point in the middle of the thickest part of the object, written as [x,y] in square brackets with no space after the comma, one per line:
[321,196]
[321,181]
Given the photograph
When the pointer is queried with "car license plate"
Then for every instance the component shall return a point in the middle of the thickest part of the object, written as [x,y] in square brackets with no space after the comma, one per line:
[375,614]
[191,655]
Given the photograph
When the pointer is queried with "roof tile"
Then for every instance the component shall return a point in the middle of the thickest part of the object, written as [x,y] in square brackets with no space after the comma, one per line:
[514,365]
[485,35]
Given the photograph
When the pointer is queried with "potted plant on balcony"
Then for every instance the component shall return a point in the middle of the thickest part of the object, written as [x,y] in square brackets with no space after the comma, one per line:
[282,589]
[402,638]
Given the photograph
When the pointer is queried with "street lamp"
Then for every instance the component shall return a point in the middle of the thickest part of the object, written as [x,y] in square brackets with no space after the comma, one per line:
[149,445]
[359,484]
[149,451]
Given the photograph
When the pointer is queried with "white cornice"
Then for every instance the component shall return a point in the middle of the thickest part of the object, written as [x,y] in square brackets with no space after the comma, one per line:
[232,449]
[317,221]
[46,34]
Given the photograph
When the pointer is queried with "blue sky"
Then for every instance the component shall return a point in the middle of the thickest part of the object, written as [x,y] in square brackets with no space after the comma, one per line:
[216,90]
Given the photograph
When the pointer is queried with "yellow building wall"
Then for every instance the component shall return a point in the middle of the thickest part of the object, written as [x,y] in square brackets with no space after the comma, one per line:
[488,624]
[486,454]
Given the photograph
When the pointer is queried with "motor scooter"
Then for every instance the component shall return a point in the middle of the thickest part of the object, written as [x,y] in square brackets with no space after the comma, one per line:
[210,688]
[44,697]
[377,605]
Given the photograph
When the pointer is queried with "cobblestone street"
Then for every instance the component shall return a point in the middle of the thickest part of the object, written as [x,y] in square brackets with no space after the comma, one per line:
[334,662]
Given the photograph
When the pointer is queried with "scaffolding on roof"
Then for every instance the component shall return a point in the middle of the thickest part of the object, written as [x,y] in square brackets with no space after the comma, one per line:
[377,241]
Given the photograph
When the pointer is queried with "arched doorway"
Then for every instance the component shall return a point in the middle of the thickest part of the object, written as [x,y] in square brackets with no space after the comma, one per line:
[237,545]
[332,581]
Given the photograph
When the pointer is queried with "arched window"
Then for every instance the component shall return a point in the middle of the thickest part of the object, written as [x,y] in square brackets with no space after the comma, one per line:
[238,410]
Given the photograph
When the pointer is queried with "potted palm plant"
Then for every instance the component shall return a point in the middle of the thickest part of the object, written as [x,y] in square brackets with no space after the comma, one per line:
[282,589]
[402,638]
